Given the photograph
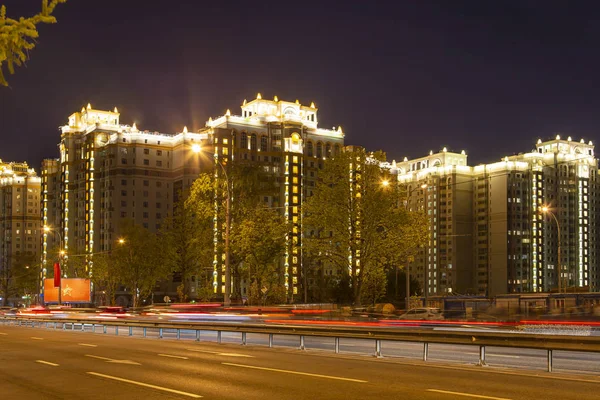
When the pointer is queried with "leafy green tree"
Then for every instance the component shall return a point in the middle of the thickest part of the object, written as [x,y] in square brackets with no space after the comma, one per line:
[373,286]
[187,235]
[105,277]
[248,184]
[359,217]
[140,260]
[17,37]
[260,243]
[21,278]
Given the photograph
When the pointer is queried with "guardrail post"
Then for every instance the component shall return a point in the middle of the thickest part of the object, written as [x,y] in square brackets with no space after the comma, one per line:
[425,351]
[160,333]
[64,326]
[378,348]
[93,328]
[55,325]
[270,340]
[178,334]
[82,327]
[116,330]
[337,345]
[549,360]
[144,331]
[219,337]
[131,331]
[104,328]
[73,326]
[197,335]
[243,338]
[302,342]
[481,356]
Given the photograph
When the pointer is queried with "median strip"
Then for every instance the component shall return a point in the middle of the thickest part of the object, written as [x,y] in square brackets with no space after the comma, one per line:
[172,356]
[478,396]
[295,372]
[46,363]
[195,396]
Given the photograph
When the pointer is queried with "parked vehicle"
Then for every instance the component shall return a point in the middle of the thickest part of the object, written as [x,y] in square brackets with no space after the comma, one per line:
[423,314]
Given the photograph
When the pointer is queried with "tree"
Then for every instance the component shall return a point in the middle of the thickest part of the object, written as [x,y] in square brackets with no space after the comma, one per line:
[105,277]
[188,237]
[140,260]
[354,222]
[20,279]
[17,37]
[374,286]
[249,219]
[260,238]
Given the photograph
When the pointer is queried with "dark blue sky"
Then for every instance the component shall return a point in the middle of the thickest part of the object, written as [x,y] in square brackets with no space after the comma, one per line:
[404,76]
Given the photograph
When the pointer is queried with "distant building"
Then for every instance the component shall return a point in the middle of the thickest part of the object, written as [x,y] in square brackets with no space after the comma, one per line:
[20,226]
[493,214]
[440,185]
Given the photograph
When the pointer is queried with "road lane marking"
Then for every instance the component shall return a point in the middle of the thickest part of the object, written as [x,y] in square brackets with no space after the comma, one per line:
[46,363]
[98,357]
[3,333]
[234,355]
[339,378]
[37,338]
[467,394]
[88,345]
[494,355]
[221,354]
[164,389]
[112,360]
[172,356]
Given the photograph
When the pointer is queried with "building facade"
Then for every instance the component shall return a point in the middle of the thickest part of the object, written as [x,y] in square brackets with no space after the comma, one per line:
[20,226]
[440,186]
[495,227]
[108,171]
[284,138]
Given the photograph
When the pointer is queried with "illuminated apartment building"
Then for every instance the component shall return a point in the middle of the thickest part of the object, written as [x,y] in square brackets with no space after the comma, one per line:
[19,216]
[440,186]
[108,171]
[493,213]
[284,138]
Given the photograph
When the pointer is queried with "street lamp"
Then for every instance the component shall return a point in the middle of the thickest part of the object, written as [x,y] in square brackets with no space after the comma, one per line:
[546,210]
[61,256]
[196,148]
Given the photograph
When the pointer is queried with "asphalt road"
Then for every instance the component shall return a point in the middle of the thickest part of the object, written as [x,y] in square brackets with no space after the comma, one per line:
[46,364]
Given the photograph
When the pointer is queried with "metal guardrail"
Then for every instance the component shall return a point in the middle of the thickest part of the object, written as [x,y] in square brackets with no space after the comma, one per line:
[549,343]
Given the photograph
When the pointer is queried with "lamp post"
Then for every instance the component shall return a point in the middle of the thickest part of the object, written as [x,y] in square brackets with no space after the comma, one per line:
[61,255]
[196,148]
[546,210]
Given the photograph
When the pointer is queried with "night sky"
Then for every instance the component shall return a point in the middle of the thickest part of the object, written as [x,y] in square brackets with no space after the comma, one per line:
[404,76]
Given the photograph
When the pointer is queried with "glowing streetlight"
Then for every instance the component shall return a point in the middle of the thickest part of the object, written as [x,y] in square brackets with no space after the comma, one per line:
[196,148]
[121,241]
[385,183]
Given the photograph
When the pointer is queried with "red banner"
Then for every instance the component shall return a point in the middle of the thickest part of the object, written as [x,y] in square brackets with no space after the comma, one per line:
[73,290]
[56,274]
